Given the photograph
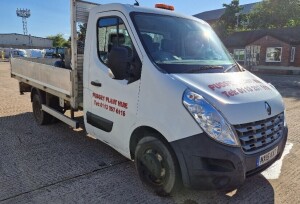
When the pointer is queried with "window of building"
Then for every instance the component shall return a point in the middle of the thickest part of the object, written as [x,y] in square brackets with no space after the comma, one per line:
[293,50]
[274,54]
[239,54]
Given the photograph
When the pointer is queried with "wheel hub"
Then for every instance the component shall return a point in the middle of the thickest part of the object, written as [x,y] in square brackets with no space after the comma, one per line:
[152,164]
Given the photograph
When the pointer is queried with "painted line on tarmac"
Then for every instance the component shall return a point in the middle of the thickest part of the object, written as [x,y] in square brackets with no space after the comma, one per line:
[273,172]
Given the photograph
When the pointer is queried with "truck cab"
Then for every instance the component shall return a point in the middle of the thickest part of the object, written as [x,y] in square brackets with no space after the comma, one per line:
[166,84]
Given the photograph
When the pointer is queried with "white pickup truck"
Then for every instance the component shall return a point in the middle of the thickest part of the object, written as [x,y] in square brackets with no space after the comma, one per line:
[161,89]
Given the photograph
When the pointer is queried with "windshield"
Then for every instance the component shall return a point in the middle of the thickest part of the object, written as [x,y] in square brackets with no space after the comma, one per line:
[179,45]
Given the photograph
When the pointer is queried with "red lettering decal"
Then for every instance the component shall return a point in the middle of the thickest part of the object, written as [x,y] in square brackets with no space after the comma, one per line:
[231,93]
[212,87]
[226,94]
[218,85]
[241,90]
[106,104]
[248,89]
[122,104]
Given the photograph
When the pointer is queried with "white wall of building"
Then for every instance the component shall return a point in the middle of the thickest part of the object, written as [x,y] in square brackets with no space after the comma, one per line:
[24,41]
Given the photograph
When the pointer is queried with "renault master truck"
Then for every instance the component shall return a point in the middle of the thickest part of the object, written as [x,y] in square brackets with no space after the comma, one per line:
[160,88]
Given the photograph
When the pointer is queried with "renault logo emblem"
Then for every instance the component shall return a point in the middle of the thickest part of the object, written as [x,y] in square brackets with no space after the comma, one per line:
[268,108]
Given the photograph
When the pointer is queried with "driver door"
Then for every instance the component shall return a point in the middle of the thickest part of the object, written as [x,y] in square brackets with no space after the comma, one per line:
[113,104]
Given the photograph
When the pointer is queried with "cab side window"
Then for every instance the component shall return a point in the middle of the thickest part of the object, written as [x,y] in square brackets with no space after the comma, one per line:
[112,34]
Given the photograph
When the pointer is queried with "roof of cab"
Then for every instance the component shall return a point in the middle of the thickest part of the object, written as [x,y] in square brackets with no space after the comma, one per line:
[127,9]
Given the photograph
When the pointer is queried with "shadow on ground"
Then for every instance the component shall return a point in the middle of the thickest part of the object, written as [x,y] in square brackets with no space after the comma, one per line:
[57,164]
[256,189]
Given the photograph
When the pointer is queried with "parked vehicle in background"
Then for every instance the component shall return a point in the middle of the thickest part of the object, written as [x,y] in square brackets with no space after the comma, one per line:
[35,53]
[18,53]
[48,55]
[161,89]
[55,52]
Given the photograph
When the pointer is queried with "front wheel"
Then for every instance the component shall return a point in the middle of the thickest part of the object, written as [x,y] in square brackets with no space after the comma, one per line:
[157,166]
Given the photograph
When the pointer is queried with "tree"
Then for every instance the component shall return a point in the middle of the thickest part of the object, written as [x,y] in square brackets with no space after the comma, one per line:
[58,40]
[232,15]
[275,14]
[67,43]
[230,20]
[82,32]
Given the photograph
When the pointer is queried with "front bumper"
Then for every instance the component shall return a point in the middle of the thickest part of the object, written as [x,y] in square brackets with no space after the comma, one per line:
[208,165]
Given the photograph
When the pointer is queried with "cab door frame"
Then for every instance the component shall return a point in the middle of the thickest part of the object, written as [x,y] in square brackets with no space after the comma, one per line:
[110,106]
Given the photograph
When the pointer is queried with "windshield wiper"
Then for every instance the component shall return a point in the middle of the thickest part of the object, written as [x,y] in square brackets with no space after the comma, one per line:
[201,68]
[231,67]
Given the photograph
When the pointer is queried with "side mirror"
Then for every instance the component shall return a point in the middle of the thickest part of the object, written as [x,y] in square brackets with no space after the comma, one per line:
[118,62]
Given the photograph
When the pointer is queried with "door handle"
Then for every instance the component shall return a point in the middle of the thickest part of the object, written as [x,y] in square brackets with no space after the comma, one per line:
[96,83]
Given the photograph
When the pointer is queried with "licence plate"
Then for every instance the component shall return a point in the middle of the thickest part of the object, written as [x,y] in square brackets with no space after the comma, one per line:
[267,157]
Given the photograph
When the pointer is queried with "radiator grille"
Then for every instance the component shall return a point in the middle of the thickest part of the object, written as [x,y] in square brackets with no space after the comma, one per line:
[260,134]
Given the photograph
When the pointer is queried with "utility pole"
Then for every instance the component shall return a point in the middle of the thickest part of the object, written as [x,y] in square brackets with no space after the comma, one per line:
[24,14]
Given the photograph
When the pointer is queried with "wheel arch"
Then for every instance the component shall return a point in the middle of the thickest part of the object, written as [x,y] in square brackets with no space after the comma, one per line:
[141,132]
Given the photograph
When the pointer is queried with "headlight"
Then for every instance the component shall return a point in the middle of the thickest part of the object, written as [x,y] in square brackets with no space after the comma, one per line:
[209,119]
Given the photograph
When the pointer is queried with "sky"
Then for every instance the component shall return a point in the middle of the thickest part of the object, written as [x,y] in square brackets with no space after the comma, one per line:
[50,17]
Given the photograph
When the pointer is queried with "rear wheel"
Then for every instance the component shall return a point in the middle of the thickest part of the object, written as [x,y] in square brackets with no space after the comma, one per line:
[41,117]
[157,166]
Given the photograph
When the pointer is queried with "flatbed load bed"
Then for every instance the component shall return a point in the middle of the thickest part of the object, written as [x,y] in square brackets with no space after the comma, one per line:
[44,76]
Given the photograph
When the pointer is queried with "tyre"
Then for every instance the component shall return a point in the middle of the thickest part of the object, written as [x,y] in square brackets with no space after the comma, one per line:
[157,166]
[41,117]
